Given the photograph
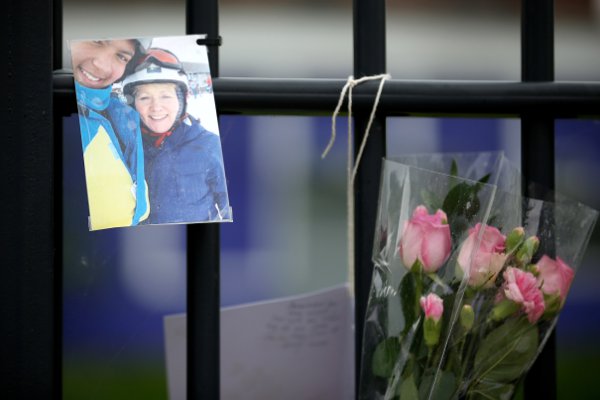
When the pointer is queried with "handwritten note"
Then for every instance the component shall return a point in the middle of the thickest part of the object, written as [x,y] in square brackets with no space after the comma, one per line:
[293,348]
[305,324]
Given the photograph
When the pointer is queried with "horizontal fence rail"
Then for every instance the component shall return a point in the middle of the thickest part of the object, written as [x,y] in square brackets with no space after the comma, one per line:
[399,97]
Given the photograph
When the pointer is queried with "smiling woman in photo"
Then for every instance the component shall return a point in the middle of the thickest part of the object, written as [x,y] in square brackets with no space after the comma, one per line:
[183,160]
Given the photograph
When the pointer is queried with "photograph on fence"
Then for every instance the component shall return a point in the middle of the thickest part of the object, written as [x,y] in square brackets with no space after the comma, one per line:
[149,132]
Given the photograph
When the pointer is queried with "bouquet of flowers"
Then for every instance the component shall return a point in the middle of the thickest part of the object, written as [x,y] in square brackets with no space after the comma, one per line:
[469,278]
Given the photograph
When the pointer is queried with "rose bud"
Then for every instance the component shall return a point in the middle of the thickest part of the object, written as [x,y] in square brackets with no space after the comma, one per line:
[433,307]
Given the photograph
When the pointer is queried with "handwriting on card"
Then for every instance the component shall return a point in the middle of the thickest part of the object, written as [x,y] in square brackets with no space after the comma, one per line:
[294,348]
[305,324]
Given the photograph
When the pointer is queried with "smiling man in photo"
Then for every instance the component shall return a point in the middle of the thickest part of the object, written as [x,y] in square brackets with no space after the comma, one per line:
[110,133]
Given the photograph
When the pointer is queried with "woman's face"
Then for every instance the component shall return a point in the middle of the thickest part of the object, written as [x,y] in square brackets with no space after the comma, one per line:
[158,105]
[99,63]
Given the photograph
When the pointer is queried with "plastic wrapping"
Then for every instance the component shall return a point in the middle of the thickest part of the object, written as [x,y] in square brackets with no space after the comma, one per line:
[469,278]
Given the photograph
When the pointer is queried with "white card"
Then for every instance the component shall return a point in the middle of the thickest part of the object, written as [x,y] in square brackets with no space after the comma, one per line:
[299,347]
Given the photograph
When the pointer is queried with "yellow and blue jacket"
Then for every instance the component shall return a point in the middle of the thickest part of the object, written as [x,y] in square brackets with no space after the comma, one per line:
[113,159]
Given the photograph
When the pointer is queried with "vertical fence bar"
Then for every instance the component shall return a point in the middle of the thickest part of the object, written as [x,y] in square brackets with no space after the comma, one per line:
[26,232]
[57,34]
[369,59]
[203,254]
[57,117]
[537,155]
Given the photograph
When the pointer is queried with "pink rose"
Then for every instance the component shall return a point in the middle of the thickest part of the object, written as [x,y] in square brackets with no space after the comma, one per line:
[554,276]
[433,306]
[522,288]
[426,238]
[487,260]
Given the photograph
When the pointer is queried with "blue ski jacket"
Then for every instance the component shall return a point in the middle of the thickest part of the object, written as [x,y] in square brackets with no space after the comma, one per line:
[113,159]
[185,175]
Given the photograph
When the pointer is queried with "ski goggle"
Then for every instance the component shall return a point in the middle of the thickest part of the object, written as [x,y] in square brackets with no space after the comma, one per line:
[160,57]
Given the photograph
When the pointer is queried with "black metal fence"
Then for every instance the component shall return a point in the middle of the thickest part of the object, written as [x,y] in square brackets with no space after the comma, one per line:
[31,233]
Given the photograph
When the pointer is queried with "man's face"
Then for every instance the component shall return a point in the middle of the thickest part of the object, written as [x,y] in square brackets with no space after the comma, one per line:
[158,105]
[99,63]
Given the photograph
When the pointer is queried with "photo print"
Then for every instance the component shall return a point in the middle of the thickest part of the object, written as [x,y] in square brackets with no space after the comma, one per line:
[149,132]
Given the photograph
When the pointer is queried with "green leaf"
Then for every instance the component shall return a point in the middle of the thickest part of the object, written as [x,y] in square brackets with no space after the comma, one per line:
[462,200]
[432,201]
[461,205]
[486,390]
[492,221]
[385,356]
[408,389]
[483,181]
[454,168]
[506,351]
[445,386]
[452,202]
[453,173]
[410,292]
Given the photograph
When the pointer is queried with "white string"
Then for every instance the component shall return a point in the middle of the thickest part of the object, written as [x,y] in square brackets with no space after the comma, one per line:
[368,128]
[351,166]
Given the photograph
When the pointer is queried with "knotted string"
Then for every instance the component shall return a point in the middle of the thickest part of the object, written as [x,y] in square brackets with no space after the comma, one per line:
[351,166]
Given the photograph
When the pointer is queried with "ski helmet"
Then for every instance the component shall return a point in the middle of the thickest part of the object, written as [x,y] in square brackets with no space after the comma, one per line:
[157,66]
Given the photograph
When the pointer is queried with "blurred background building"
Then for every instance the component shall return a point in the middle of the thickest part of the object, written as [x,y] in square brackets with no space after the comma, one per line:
[288,235]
